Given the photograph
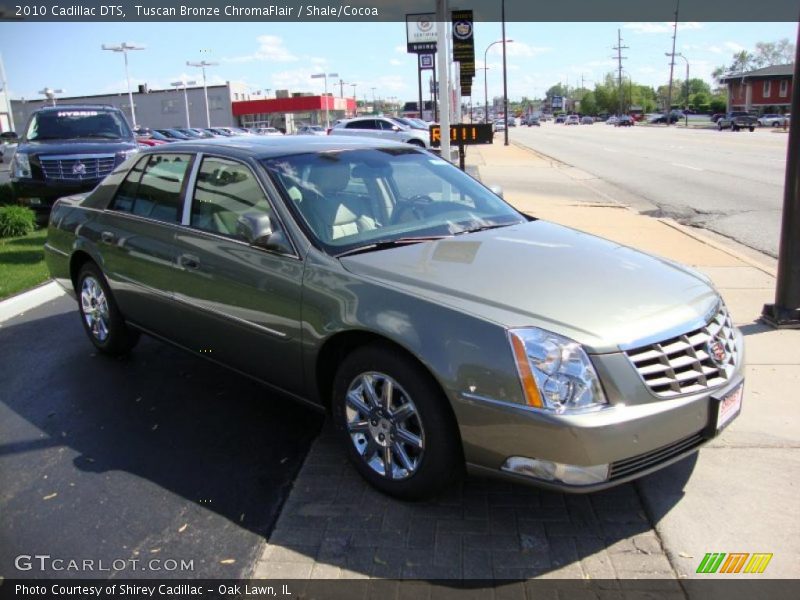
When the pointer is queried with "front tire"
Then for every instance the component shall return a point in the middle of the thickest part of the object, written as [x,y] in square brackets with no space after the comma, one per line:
[395,423]
[100,316]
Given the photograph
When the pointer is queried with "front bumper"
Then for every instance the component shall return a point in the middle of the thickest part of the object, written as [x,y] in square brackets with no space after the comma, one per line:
[40,195]
[637,435]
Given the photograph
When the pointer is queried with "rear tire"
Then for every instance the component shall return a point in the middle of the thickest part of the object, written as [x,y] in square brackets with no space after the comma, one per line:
[395,423]
[752,129]
[100,316]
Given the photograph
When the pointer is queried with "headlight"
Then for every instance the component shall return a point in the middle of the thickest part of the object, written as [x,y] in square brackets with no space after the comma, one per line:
[556,373]
[20,166]
[126,154]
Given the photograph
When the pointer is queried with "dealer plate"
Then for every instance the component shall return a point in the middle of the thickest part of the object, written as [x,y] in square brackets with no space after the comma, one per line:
[729,406]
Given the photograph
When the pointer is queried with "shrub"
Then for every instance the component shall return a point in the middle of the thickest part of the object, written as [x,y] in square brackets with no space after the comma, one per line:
[16,221]
[5,194]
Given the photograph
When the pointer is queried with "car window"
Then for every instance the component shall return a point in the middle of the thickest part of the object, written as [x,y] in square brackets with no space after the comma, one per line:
[152,189]
[363,124]
[348,199]
[225,190]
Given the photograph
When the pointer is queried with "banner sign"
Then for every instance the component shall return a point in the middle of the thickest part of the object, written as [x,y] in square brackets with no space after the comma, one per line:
[421,33]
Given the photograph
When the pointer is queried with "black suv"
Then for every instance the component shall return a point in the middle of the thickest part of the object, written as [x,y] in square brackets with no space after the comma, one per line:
[67,150]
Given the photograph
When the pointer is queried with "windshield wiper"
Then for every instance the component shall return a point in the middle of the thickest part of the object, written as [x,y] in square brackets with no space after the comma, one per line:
[482,228]
[393,243]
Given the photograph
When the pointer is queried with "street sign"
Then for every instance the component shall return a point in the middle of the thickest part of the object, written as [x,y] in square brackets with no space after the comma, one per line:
[557,102]
[464,134]
[421,33]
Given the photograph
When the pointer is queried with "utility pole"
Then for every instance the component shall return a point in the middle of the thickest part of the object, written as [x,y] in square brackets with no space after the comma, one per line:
[672,64]
[619,48]
[342,83]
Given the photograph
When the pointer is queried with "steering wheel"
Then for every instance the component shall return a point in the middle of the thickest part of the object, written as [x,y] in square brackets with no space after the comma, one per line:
[414,205]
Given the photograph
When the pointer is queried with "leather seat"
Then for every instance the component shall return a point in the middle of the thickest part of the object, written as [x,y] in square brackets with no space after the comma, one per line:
[334,212]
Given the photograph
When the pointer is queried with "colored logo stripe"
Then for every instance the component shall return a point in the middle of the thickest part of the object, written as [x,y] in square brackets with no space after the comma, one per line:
[758,563]
[713,562]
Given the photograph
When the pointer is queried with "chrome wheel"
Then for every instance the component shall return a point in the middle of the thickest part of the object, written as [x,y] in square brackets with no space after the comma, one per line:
[95,308]
[384,425]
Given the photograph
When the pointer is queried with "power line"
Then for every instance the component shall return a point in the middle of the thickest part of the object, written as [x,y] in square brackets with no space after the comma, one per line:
[619,48]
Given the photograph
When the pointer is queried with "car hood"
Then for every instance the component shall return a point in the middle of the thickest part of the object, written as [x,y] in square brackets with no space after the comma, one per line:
[76,146]
[597,292]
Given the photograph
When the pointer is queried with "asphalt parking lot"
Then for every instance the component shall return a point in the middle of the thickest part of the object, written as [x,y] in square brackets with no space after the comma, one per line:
[159,456]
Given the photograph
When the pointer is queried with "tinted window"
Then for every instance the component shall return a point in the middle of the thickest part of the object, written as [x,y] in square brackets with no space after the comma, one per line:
[158,192]
[225,190]
[363,124]
[78,123]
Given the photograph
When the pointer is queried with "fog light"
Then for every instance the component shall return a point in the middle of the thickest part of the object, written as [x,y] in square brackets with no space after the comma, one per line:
[31,201]
[552,471]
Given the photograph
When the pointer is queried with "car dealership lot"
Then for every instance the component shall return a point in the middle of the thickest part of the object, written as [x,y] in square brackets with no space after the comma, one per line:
[730,183]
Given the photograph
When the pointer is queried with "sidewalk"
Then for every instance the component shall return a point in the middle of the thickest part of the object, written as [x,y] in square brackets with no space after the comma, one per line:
[741,496]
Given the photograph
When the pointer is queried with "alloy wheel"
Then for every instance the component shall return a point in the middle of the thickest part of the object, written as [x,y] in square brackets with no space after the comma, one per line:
[95,308]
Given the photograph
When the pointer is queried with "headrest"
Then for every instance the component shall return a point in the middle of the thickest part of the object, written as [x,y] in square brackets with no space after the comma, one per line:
[330,178]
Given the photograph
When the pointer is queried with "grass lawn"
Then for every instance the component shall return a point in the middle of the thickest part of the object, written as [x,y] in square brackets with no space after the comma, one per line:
[22,263]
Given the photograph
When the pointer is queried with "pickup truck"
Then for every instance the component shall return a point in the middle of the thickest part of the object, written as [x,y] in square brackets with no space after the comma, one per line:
[737,120]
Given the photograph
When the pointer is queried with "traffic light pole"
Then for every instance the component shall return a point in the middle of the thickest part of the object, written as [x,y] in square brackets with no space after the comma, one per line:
[785,313]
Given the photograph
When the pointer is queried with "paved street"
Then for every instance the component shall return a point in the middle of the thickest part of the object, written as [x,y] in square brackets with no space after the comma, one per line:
[730,183]
[162,456]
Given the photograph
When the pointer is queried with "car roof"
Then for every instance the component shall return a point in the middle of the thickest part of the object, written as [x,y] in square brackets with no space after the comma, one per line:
[270,147]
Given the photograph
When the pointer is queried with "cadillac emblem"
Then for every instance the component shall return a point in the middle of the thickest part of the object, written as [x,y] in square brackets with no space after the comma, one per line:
[79,169]
[716,350]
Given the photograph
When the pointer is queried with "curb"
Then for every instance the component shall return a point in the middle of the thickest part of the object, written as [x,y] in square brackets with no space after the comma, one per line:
[19,304]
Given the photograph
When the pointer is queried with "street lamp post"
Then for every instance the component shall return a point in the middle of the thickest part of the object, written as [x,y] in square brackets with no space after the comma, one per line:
[184,83]
[203,64]
[327,109]
[50,94]
[124,47]
[485,77]
[355,100]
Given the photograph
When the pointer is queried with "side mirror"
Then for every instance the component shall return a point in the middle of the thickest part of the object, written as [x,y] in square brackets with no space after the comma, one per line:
[257,229]
[497,190]
[395,128]
[7,136]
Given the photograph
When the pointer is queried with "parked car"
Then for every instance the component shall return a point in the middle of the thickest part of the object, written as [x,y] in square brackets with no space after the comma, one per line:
[533,121]
[371,278]
[572,120]
[269,131]
[193,133]
[611,121]
[587,120]
[499,125]
[68,149]
[716,117]
[145,137]
[8,145]
[625,121]
[560,119]
[382,128]
[772,120]
[737,120]
[660,119]
[174,134]
[311,130]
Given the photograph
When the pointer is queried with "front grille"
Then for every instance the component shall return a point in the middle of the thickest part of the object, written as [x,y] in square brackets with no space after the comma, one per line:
[642,462]
[685,364]
[78,167]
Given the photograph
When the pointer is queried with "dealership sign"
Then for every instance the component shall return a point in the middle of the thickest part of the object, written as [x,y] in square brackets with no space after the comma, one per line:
[421,33]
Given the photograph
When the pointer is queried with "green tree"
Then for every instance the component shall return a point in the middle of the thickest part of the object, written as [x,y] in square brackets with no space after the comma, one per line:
[588,105]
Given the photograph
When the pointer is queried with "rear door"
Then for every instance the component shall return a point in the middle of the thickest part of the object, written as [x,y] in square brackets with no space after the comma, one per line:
[137,238]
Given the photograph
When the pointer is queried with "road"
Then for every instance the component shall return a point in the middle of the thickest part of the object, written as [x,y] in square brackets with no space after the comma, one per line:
[161,456]
[730,183]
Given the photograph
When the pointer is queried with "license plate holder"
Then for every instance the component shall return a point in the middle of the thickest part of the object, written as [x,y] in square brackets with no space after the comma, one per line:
[725,408]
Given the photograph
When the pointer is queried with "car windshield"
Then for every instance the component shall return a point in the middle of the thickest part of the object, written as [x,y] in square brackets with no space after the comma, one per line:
[78,123]
[368,199]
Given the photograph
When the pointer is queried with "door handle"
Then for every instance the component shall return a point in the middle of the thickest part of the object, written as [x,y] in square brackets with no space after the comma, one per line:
[187,261]
[107,237]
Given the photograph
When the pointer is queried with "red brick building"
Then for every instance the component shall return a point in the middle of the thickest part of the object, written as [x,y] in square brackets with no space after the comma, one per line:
[767,90]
